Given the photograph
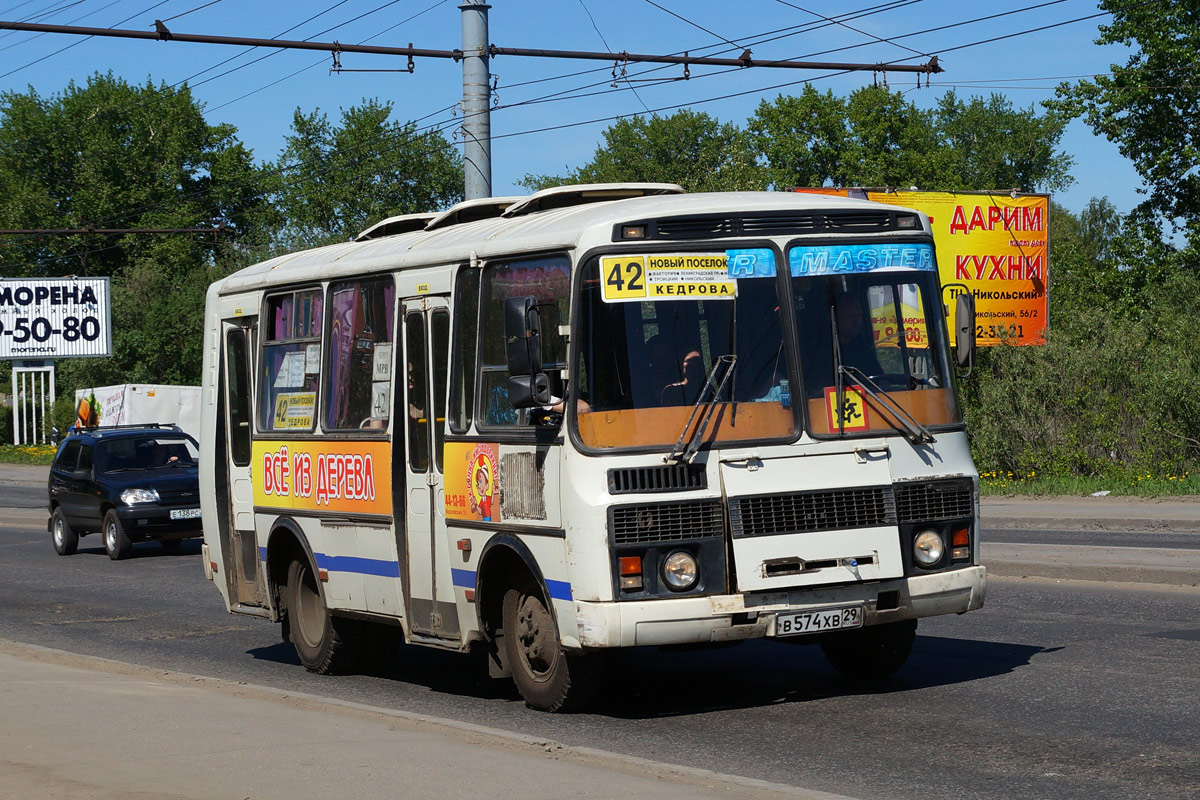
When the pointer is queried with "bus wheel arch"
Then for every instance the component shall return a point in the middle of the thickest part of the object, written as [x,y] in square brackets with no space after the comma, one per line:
[285,544]
[324,643]
[518,620]
[502,560]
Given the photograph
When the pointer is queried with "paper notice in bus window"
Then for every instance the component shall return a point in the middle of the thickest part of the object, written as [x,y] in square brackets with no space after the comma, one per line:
[381,399]
[381,363]
[312,359]
[666,276]
[295,410]
[291,371]
[854,409]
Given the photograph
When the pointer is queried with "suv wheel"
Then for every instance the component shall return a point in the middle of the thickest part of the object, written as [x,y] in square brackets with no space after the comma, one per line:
[116,542]
[66,540]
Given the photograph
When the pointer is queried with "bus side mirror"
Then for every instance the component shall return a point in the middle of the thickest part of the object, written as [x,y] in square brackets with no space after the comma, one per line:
[964,330]
[528,386]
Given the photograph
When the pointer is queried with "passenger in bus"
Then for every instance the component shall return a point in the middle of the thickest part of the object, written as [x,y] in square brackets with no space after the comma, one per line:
[685,391]
[856,337]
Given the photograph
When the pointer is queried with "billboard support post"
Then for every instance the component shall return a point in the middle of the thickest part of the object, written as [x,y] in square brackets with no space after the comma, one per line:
[33,383]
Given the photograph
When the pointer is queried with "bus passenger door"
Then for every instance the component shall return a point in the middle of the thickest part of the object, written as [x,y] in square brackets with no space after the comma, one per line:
[432,610]
[236,506]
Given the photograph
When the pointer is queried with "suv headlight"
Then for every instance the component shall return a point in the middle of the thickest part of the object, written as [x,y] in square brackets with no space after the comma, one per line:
[132,496]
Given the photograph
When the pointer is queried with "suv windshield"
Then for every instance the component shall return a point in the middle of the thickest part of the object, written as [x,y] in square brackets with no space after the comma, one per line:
[884,326]
[643,362]
[162,451]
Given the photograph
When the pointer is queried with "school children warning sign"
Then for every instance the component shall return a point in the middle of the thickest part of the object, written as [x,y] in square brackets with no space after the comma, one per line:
[993,243]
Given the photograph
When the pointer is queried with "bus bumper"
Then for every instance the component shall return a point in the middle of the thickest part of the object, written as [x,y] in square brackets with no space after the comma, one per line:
[723,618]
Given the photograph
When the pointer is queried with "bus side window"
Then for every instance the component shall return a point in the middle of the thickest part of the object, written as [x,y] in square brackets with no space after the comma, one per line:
[466,339]
[291,361]
[359,377]
[548,279]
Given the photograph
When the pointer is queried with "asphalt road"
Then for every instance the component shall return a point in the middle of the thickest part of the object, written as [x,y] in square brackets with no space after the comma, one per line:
[1054,689]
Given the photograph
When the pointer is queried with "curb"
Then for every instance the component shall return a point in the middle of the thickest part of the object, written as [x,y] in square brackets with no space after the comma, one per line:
[1162,566]
[998,568]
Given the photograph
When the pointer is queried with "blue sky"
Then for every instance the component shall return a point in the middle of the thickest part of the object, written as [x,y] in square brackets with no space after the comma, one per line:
[259,96]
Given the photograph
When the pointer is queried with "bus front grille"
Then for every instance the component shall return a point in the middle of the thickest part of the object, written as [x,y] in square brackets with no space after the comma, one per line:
[807,512]
[928,501]
[665,522]
[664,478]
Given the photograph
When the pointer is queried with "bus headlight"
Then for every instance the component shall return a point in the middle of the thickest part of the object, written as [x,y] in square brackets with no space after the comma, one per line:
[680,571]
[928,548]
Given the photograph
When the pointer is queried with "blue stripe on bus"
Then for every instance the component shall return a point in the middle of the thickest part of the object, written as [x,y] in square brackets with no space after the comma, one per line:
[364,566]
[559,590]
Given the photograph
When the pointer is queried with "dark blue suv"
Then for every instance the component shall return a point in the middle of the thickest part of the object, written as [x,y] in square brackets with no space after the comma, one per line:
[130,483]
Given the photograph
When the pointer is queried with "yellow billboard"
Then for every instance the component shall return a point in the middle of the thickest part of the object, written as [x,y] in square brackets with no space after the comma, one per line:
[993,243]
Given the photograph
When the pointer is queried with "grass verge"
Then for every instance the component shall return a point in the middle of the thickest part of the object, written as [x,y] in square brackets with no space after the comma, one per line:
[995,483]
[27,454]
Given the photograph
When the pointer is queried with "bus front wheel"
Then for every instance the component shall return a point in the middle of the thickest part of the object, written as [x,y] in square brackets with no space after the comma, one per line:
[873,652]
[313,631]
[548,678]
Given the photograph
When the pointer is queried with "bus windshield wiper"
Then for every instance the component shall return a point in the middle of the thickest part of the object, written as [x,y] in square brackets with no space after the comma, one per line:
[680,452]
[917,433]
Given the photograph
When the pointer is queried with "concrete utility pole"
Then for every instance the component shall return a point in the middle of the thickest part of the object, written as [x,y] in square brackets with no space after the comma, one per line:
[476,102]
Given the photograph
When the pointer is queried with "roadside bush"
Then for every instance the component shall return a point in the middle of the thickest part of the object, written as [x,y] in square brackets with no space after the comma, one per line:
[6,424]
[62,416]
[1107,395]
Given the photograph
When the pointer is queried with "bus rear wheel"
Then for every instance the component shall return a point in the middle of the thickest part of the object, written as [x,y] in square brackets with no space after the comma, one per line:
[548,678]
[873,652]
[312,630]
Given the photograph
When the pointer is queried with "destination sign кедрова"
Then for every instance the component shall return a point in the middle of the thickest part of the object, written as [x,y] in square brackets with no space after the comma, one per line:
[666,276]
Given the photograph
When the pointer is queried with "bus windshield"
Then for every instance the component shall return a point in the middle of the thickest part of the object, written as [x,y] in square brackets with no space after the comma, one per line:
[643,365]
[875,344]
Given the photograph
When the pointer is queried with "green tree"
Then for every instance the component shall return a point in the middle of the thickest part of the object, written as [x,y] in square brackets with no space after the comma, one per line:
[340,179]
[877,137]
[987,143]
[113,155]
[1148,106]
[802,139]
[689,148]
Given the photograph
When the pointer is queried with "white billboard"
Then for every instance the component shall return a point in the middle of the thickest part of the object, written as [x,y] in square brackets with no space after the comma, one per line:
[45,318]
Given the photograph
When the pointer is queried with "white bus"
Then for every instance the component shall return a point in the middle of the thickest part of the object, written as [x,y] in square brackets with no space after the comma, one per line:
[595,417]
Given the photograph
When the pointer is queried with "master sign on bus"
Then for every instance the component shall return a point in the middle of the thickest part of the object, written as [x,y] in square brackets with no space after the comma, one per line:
[595,417]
